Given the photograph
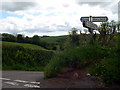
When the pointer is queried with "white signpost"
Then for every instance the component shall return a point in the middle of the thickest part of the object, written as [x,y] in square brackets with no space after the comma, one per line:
[84,19]
[99,19]
[94,19]
[88,22]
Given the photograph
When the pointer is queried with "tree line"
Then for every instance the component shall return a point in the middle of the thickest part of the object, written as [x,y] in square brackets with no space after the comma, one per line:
[108,34]
[25,39]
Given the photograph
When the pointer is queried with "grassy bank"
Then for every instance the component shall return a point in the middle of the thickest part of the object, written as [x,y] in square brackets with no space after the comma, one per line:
[25,45]
[53,39]
[103,59]
[18,56]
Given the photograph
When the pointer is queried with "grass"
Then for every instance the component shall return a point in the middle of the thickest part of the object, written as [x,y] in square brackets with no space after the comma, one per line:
[74,58]
[22,56]
[53,39]
[97,60]
[108,70]
[25,45]
[20,67]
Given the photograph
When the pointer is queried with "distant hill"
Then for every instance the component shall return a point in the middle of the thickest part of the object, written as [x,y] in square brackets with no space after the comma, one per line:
[52,39]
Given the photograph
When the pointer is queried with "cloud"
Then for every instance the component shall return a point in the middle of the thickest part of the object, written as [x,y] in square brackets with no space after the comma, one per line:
[46,17]
[65,5]
[95,0]
[101,4]
[16,6]
[107,5]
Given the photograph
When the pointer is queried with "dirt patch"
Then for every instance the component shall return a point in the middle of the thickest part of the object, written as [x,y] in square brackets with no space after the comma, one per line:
[73,79]
[73,74]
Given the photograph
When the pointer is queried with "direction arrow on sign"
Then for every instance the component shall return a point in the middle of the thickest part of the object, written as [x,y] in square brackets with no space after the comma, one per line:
[91,25]
[99,19]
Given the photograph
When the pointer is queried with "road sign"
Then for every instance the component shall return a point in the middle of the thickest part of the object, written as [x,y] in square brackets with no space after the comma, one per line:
[95,19]
[88,22]
[84,19]
[99,19]
[91,25]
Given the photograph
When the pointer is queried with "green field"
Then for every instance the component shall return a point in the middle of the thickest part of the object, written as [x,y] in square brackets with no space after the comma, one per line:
[53,39]
[25,45]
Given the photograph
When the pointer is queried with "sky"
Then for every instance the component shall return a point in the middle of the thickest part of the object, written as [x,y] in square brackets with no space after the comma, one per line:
[51,17]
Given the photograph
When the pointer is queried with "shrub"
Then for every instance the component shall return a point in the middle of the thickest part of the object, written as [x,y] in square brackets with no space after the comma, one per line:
[108,70]
[53,67]
[19,57]
[74,58]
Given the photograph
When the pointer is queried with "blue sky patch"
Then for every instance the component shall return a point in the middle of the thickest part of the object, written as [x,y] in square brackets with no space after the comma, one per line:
[4,15]
[37,13]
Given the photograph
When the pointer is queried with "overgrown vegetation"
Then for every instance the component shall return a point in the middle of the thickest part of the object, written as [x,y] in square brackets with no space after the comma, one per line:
[17,57]
[76,57]
[25,45]
[50,43]
[102,53]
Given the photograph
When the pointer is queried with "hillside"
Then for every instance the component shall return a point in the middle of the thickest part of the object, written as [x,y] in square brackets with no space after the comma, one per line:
[25,45]
[22,56]
[53,39]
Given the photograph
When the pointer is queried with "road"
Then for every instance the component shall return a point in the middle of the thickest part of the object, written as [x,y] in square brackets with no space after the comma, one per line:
[34,79]
[22,79]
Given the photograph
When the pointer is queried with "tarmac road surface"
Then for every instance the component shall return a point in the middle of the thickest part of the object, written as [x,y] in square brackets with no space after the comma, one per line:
[35,79]
[21,79]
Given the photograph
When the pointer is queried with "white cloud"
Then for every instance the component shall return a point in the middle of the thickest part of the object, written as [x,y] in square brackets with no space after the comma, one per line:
[52,17]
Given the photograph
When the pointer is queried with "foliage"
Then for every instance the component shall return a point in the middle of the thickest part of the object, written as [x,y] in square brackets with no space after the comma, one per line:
[74,37]
[73,51]
[53,66]
[8,37]
[108,70]
[24,57]
[107,32]
[36,40]
[20,38]
[25,45]
[52,39]
[74,58]
[72,40]
[48,42]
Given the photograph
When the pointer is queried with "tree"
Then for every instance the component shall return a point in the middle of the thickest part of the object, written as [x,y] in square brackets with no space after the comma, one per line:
[107,32]
[74,37]
[20,38]
[8,37]
[27,40]
[72,40]
[36,40]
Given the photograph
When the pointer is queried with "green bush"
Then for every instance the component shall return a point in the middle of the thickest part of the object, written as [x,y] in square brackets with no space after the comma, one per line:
[108,70]
[53,67]
[74,58]
[18,57]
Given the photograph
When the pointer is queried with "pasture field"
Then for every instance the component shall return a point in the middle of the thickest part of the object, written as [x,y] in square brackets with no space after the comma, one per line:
[25,45]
